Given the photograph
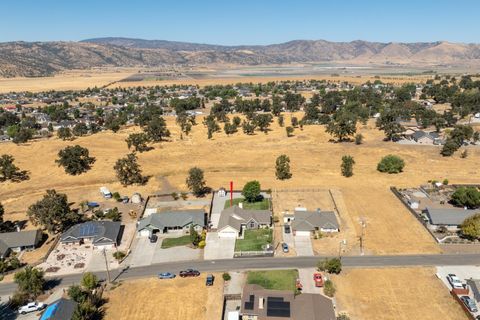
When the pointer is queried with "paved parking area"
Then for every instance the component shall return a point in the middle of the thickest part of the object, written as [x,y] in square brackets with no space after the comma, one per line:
[145,253]
[463,272]
[181,253]
[303,245]
[306,279]
[218,248]
[142,252]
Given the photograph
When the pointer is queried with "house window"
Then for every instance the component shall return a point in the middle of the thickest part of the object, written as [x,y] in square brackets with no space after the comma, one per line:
[252,224]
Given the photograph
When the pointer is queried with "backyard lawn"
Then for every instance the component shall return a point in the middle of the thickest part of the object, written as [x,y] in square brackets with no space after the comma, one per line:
[257,205]
[274,279]
[254,240]
[175,242]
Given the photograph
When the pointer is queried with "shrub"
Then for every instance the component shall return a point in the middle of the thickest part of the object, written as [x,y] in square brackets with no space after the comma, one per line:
[466,197]
[445,182]
[226,276]
[329,288]
[333,265]
[471,226]
[184,195]
[251,191]
[175,196]
[391,164]
[358,138]
[117,196]
[119,255]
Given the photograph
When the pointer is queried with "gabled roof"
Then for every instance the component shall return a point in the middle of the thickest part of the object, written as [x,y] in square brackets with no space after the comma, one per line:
[449,216]
[173,219]
[4,249]
[309,220]
[283,304]
[236,216]
[61,309]
[101,232]
[421,134]
[21,239]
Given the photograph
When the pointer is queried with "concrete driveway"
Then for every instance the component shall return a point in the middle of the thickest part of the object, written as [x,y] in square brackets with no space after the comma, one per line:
[303,245]
[218,248]
[142,252]
[306,279]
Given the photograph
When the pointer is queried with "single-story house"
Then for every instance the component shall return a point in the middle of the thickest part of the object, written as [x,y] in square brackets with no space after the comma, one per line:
[18,241]
[424,137]
[262,304]
[448,217]
[234,220]
[306,222]
[61,309]
[101,234]
[172,221]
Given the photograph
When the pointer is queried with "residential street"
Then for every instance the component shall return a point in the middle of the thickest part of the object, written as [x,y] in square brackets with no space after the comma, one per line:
[268,263]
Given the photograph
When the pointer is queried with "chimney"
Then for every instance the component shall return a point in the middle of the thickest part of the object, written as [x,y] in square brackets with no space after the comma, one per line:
[260,303]
[17,227]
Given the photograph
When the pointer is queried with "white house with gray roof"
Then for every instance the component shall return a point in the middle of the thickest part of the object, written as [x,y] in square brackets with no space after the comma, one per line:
[451,218]
[172,221]
[307,222]
[234,220]
[18,241]
[100,234]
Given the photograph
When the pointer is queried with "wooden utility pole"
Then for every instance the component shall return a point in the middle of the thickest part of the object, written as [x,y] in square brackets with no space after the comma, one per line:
[106,265]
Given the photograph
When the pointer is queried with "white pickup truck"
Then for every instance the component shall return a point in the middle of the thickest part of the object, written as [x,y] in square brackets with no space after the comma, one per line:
[105,192]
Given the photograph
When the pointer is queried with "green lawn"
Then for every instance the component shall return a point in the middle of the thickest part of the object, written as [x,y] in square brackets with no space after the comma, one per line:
[254,240]
[175,242]
[258,205]
[274,279]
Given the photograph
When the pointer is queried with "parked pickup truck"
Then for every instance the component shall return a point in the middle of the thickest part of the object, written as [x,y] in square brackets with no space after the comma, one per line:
[210,279]
[469,303]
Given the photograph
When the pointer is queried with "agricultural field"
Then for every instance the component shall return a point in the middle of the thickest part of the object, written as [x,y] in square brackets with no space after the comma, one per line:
[406,293]
[315,163]
[177,299]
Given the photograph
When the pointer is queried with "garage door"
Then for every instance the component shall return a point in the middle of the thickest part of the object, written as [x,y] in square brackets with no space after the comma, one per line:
[226,234]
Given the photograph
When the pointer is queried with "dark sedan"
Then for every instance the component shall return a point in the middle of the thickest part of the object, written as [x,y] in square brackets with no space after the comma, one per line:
[189,273]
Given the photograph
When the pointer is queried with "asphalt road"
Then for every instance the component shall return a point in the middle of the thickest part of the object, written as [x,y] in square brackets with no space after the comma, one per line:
[239,264]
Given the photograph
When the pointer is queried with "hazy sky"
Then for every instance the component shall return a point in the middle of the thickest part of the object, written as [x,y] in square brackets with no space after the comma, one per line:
[242,22]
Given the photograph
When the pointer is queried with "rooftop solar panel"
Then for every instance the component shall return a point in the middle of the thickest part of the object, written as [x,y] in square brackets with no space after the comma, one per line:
[276,307]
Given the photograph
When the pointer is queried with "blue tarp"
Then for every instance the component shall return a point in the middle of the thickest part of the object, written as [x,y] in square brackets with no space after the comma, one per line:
[50,311]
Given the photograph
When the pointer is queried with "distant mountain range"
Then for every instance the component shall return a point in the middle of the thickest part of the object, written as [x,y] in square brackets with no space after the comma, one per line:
[33,59]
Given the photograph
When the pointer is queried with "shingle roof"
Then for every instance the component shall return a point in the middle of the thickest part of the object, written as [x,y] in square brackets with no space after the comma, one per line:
[420,134]
[20,239]
[449,216]
[309,220]
[4,249]
[306,306]
[61,309]
[101,232]
[236,216]
[173,219]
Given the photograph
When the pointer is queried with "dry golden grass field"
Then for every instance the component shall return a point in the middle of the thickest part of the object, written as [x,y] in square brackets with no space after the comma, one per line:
[264,79]
[315,162]
[68,80]
[177,299]
[399,294]
[82,79]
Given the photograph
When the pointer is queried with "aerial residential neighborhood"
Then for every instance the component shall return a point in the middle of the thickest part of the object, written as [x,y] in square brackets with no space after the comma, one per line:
[226,160]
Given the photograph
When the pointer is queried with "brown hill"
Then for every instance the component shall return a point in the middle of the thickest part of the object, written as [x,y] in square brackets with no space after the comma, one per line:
[34,59]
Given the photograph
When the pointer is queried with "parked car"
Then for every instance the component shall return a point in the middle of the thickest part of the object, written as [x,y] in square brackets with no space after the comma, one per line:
[153,238]
[210,279]
[166,275]
[285,247]
[287,228]
[455,281]
[189,273]
[318,279]
[31,307]
[469,303]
